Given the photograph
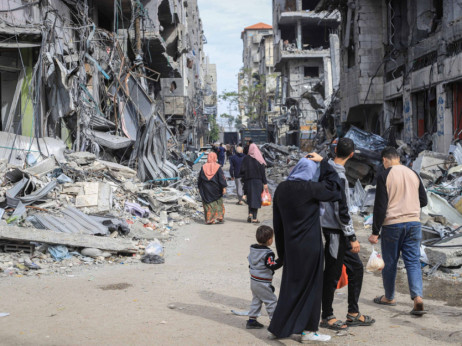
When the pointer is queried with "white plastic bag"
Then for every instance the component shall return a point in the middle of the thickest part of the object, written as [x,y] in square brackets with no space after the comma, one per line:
[155,248]
[375,262]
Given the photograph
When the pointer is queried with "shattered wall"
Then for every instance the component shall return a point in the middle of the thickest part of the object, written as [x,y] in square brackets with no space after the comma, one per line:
[306,54]
[89,73]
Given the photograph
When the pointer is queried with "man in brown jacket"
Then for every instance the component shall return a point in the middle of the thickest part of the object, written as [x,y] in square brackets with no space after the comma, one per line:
[400,195]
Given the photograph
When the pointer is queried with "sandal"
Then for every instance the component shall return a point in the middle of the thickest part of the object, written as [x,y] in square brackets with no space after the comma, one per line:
[255,221]
[418,310]
[337,325]
[378,300]
[249,219]
[355,320]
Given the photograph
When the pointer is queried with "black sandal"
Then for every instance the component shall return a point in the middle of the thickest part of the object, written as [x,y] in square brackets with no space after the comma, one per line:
[249,219]
[355,320]
[337,325]
[255,221]
[378,300]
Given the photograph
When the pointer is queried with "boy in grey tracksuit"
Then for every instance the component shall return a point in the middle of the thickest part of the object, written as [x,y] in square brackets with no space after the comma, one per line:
[262,264]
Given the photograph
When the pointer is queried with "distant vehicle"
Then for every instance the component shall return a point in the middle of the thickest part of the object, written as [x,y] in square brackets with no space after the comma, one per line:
[258,136]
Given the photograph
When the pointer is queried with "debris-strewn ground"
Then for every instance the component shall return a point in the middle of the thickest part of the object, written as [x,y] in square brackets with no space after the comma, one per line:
[188,300]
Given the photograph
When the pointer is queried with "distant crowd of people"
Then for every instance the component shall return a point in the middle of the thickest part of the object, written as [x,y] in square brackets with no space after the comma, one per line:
[314,202]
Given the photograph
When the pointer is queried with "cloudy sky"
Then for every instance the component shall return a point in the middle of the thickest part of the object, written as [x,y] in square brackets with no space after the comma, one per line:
[223,23]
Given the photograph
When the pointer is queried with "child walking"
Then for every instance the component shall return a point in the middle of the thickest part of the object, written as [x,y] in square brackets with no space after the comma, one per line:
[262,264]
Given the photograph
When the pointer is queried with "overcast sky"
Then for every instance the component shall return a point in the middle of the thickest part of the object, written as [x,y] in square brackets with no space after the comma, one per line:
[223,23]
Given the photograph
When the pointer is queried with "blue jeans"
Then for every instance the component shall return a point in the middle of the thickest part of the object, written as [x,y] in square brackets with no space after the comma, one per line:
[402,238]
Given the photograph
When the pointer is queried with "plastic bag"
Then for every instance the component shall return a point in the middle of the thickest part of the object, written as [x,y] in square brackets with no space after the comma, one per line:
[155,248]
[375,262]
[343,278]
[266,198]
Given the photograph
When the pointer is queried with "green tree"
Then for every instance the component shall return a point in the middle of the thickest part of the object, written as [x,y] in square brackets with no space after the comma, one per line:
[214,133]
[251,98]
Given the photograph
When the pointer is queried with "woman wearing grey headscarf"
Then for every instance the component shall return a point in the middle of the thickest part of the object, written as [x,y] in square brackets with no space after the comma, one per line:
[298,238]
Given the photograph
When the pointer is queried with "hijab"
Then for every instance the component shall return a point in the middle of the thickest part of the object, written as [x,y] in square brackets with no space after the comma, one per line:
[211,167]
[256,154]
[305,170]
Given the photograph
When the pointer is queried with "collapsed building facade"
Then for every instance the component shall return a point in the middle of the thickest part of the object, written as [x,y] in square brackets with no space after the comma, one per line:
[257,65]
[125,80]
[401,73]
[306,53]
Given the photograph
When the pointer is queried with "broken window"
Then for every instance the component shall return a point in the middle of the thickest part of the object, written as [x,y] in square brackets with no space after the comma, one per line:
[457,109]
[315,36]
[424,110]
[288,34]
[398,27]
[311,71]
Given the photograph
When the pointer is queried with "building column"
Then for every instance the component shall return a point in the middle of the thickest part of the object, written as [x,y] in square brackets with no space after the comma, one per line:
[408,133]
[328,90]
[334,45]
[299,5]
[443,120]
[299,35]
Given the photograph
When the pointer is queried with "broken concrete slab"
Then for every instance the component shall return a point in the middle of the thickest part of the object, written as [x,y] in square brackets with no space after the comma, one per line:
[82,157]
[429,164]
[439,206]
[447,256]
[23,234]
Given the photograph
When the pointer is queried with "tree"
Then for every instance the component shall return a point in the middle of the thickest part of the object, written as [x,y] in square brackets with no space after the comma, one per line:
[214,133]
[231,119]
[251,98]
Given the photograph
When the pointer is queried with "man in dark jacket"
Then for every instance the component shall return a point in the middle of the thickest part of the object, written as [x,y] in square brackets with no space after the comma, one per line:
[341,248]
[221,152]
[235,163]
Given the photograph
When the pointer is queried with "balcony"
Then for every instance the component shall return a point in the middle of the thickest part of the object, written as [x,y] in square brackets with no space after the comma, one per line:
[309,17]
[285,52]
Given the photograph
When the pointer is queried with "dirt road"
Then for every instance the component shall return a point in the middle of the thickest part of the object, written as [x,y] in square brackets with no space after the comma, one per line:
[188,300]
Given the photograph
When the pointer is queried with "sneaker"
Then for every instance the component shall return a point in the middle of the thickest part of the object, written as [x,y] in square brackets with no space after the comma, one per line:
[314,336]
[271,336]
[253,324]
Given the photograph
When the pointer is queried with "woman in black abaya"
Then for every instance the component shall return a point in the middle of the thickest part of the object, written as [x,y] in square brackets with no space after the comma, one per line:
[299,243]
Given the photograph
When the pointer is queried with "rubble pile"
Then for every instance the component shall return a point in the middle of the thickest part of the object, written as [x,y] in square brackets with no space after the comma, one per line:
[280,160]
[58,215]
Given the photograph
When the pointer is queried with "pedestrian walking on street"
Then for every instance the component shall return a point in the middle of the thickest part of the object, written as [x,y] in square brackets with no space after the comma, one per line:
[253,176]
[221,154]
[212,186]
[341,248]
[235,163]
[399,196]
[299,245]
[262,264]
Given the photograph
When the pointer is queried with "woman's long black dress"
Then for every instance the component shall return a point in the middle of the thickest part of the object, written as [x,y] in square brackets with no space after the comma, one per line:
[299,243]
[253,176]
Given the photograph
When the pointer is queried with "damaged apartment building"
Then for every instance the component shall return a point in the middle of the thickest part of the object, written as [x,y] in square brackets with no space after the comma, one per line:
[401,68]
[306,54]
[125,80]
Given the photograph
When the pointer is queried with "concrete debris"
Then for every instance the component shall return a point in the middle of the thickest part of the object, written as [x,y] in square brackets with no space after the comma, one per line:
[87,210]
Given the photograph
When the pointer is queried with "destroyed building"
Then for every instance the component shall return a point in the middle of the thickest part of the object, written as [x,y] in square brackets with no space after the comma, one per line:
[400,69]
[306,55]
[125,80]
[252,37]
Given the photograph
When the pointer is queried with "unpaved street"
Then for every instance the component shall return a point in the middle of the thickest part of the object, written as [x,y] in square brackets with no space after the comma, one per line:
[188,300]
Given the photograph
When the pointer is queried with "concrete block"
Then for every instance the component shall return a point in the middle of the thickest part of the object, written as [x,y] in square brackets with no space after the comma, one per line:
[83,201]
[448,257]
